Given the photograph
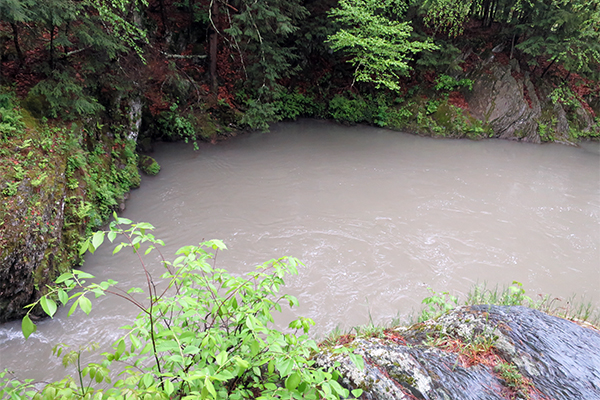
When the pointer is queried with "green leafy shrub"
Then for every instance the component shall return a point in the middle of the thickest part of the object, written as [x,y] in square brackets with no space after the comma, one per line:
[351,110]
[513,379]
[10,118]
[513,295]
[437,304]
[562,94]
[260,114]
[399,117]
[296,104]
[206,335]
[449,83]
[174,125]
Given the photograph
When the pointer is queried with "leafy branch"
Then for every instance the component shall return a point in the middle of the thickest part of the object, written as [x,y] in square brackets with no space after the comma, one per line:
[206,335]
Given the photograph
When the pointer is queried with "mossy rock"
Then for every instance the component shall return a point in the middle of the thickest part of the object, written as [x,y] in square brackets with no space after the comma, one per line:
[148,165]
[36,105]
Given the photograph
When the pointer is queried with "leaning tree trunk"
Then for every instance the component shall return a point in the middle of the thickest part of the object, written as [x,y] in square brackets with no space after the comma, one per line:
[213,46]
[15,30]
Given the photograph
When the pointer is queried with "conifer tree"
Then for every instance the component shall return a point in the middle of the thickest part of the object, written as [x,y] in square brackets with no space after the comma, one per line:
[81,40]
[260,30]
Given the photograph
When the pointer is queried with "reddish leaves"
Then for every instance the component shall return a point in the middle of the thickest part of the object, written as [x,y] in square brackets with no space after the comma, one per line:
[457,99]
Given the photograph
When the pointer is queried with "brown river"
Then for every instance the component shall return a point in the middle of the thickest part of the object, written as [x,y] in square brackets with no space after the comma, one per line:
[377,217]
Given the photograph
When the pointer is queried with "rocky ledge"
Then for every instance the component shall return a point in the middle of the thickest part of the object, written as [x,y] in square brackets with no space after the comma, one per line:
[475,352]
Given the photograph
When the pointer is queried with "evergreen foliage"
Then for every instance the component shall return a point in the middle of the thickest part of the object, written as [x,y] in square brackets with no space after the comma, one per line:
[260,30]
[564,32]
[81,39]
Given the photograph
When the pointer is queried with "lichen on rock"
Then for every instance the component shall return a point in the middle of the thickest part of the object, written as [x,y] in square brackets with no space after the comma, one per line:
[477,352]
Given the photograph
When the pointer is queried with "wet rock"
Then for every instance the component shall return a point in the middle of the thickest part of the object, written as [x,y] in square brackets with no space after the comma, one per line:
[31,253]
[516,108]
[509,105]
[477,352]
[148,165]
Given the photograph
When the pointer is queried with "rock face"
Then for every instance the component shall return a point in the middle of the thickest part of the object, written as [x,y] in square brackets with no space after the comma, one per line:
[499,99]
[505,97]
[477,352]
[32,246]
[55,194]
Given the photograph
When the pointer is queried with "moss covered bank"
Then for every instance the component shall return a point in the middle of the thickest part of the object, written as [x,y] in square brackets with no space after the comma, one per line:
[58,183]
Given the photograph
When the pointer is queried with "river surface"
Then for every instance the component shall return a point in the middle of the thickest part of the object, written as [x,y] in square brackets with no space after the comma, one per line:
[377,217]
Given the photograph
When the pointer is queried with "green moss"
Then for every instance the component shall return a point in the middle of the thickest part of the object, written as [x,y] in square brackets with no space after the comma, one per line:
[36,105]
[148,165]
[403,379]
[45,212]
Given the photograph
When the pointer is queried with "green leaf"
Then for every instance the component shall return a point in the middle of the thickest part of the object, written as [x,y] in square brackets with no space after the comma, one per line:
[357,360]
[73,308]
[27,326]
[221,358]
[85,304]
[169,388]
[224,375]
[112,235]
[85,246]
[97,239]
[285,367]
[217,244]
[292,381]
[64,277]
[120,349]
[144,225]
[82,275]
[48,305]
[148,380]
[63,297]
[118,248]
[254,348]
[357,393]
[243,364]
[209,386]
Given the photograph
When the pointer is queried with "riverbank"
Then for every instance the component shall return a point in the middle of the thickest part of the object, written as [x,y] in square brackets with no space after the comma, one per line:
[483,347]
[109,190]
[474,352]
[59,183]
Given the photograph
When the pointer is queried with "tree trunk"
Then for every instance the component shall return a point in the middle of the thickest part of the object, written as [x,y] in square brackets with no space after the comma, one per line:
[163,16]
[548,67]
[213,46]
[192,18]
[15,30]
[493,10]
[52,47]
[135,117]
[486,10]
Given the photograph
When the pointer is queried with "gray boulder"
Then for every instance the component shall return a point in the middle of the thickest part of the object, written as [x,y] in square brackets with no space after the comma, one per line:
[476,352]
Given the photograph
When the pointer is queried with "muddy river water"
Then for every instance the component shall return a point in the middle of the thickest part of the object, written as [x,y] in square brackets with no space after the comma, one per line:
[377,217]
